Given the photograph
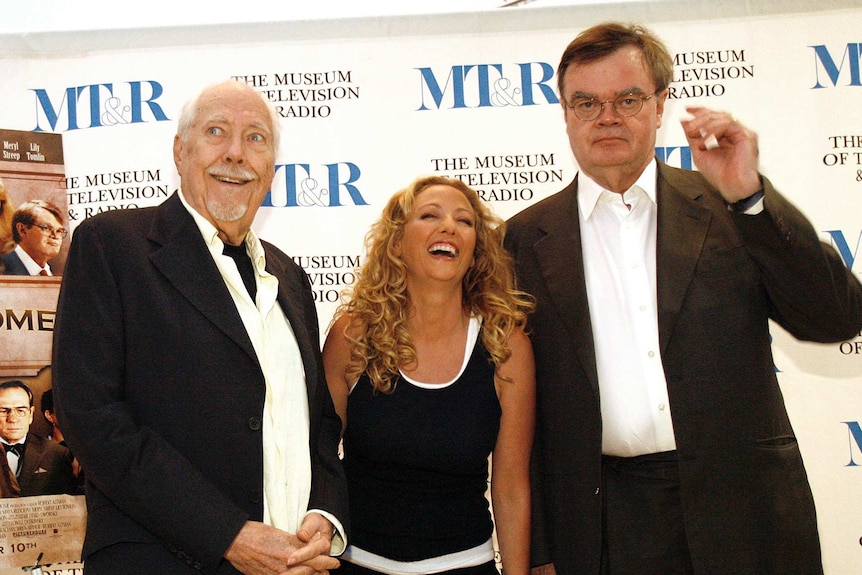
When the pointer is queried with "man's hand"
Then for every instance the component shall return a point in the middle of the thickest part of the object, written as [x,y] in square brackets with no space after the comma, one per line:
[263,550]
[724,151]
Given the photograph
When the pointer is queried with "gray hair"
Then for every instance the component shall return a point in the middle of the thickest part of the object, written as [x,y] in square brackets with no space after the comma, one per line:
[192,107]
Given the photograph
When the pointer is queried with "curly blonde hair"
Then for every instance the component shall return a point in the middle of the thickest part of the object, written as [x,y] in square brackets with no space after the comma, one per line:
[376,304]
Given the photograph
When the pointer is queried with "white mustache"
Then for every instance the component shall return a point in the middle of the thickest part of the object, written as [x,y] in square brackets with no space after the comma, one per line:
[232,173]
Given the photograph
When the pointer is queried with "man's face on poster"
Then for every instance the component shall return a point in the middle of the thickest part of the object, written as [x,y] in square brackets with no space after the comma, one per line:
[42,240]
[16,415]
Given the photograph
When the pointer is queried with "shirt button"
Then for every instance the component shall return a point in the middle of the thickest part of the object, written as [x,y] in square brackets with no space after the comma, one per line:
[254,423]
[661,406]
[651,354]
[255,497]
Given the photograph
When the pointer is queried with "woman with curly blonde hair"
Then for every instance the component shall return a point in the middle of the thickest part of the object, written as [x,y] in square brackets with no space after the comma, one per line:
[431,372]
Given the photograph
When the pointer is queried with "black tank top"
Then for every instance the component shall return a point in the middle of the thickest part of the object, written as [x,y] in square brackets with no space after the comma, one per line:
[417,463]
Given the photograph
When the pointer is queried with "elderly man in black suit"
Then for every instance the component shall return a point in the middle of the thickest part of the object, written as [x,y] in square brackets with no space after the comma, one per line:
[41,467]
[187,370]
[663,445]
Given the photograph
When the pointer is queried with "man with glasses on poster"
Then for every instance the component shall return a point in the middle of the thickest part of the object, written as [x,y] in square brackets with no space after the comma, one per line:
[38,232]
[39,466]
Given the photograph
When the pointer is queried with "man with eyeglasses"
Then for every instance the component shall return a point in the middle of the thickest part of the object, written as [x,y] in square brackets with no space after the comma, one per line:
[41,467]
[663,445]
[38,232]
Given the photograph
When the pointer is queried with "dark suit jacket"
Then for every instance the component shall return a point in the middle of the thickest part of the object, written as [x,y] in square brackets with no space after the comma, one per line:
[159,391]
[745,495]
[46,469]
[13,266]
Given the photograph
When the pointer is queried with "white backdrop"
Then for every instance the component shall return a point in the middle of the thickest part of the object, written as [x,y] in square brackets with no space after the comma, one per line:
[370,104]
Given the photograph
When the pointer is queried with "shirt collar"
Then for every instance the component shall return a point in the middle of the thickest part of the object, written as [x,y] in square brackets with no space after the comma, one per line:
[32,267]
[216,246]
[589,191]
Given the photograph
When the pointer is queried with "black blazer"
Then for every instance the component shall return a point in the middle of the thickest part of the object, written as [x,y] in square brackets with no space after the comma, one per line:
[13,266]
[159,391]
[46,468]
[721,276]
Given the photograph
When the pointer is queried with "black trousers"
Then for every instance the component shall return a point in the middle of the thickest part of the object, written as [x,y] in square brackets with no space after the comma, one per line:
[643,530]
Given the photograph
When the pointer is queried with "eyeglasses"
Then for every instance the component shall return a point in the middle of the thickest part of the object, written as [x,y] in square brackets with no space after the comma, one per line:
[627,105]
[53,232]
[5,412]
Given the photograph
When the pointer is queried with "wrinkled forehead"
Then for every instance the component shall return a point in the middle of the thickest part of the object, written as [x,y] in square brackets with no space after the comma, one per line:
[233,104]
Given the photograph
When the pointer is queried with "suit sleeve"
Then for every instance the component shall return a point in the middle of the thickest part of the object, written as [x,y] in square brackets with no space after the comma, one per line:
[813,295]
[132,467]
[541,549]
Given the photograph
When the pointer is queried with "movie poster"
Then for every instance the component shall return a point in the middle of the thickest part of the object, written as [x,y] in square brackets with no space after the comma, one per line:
[42,509]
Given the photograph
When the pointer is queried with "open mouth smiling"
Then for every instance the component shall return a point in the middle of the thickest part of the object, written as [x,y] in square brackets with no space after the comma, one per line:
[230,180]
[442,249]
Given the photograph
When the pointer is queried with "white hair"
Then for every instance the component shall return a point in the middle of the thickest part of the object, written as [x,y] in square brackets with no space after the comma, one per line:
[192,107]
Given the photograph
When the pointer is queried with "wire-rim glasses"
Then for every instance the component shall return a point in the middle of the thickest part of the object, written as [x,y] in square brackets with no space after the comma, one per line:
[53,232]
[625,105]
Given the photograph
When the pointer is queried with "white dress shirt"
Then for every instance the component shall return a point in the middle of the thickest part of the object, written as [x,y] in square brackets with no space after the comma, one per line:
[618,234]
[13,458]
[32,267]
[286,457]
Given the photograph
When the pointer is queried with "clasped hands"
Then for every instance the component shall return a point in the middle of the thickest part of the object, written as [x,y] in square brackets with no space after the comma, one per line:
[263,550]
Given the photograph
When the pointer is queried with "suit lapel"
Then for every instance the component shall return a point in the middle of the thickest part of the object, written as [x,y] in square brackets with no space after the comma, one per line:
[185,261]
[32,457]
[560,257]
[682,228]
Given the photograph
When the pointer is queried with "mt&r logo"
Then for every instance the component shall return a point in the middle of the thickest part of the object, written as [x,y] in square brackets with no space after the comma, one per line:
[97,105]
[825,62]
[854,432]
[487,86]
